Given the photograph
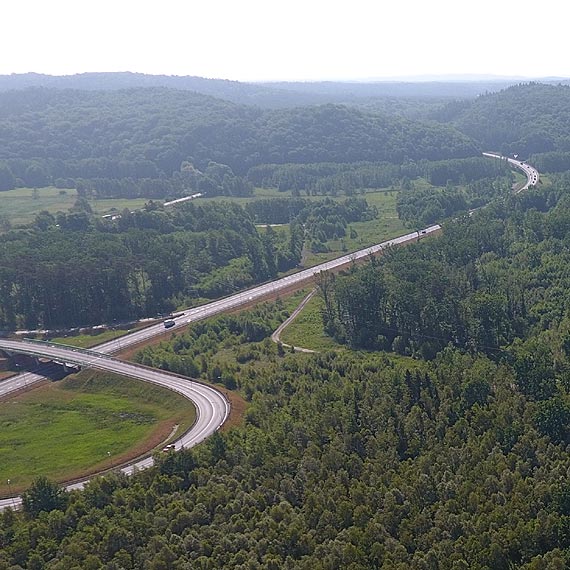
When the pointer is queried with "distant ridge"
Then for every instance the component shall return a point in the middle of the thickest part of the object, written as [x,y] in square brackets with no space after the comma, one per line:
[277,94]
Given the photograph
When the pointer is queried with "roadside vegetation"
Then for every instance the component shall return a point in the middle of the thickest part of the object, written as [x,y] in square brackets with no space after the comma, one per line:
[90,340]
[307,330]
[430,431]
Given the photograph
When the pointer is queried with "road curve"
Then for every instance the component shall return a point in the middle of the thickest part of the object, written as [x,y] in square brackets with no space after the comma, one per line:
[212,407]
[531,173]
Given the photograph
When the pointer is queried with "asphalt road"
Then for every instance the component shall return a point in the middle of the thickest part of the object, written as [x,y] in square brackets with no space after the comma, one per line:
[531,173]
[255,294]
[212,407]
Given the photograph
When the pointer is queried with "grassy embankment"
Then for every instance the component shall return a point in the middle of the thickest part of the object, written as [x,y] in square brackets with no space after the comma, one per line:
[97,336]
[90,340]
[84,424]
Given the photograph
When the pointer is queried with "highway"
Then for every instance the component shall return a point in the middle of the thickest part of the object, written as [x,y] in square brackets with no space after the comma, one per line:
[531,173]
[212,407]
[256,294]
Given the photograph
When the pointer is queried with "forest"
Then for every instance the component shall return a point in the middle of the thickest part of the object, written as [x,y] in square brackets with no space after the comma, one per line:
[447,450]
[436,437]
[334,178]
[524,119]
[74,269]
[489,279]
[54,135]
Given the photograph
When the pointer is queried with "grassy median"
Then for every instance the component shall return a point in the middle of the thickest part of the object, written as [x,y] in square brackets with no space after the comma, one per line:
[83,424]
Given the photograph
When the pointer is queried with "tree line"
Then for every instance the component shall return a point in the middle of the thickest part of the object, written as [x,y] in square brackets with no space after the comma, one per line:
[73,268]
[336,178]
[344,460]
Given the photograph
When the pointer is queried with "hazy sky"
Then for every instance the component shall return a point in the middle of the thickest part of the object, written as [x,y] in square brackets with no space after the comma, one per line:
[293,39]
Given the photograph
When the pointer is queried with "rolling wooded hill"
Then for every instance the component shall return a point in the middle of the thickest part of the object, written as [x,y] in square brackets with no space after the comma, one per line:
[524,119]
[158,129]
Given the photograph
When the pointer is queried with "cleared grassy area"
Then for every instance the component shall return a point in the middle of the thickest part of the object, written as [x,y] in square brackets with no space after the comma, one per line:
[89,340]
[117,205]
[22,204]
[258,193]
[387,225]
[306,330]
[83,424]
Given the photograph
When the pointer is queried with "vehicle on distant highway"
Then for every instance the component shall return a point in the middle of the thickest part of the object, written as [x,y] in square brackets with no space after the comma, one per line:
[169,323]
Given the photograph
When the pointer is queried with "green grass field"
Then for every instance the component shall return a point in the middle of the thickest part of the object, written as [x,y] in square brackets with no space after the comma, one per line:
[117,205]
[22,204]
[83,424]
[306,330]
[258,193]
[387,225]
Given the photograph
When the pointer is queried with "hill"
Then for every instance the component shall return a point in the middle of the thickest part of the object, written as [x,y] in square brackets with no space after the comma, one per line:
[267,94]
[149,133]
[524,119]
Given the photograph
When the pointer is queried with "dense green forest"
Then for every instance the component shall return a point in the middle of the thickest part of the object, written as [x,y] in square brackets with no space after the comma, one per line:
[164,143]
[75,269]
[523,119]
[453,457]
[436,439]
[419,206]
[65,137]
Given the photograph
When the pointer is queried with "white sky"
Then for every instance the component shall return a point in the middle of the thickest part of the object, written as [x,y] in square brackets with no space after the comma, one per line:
[251,40]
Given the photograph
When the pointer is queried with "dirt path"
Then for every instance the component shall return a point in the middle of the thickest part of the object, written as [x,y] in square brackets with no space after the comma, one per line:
[276,336]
